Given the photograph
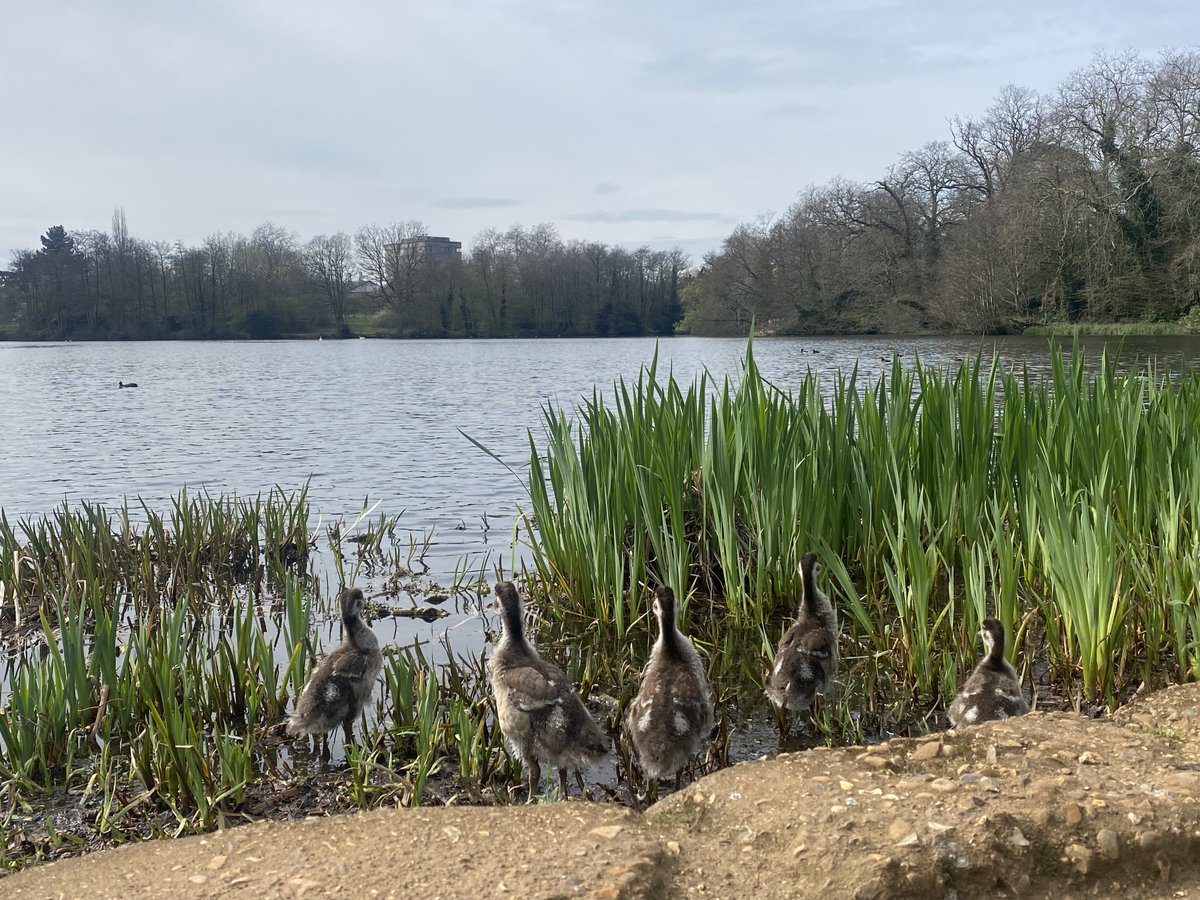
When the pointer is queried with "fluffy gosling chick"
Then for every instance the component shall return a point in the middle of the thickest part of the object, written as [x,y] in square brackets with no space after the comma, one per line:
[342,682]
[673,712]
[993,691]
[540,715]
[806,662]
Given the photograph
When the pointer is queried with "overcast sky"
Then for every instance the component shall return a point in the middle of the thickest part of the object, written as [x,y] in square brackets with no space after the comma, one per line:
[664,123]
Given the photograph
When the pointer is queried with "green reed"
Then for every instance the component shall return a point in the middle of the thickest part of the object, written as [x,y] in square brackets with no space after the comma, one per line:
[1066,505]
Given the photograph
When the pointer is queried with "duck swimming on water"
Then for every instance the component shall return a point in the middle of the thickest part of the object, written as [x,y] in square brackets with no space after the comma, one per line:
[342,682]
[673,712]
[125,384]
[993,691]
[540,715]
[806,662]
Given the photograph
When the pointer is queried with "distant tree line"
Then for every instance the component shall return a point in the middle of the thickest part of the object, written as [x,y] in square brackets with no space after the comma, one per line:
[515,283]
[1078,206]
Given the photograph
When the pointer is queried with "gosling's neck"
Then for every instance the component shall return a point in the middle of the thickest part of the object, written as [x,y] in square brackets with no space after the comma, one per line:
[359,633]
[670,641]
[995,650]
[813,602]
[513,631]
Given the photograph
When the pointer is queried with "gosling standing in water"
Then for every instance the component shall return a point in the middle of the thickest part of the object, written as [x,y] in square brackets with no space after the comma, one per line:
[342,682]
[539,712]
[993,691]
[673,712]
[806,662]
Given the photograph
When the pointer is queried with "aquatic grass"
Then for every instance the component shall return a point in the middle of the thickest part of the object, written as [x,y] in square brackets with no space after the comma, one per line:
[935,497]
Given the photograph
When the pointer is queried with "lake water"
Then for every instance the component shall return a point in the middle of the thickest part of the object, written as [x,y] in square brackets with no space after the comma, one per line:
[357,419]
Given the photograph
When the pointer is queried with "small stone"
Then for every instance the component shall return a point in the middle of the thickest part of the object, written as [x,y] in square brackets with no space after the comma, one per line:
[949,751]
[1107,843]
[1150,840]
[607,831]
[453,833]
[872,889]
[1088,758]
[874,762]
[1043,786]
[899,829]
[1017,839]
[909,840]
[216,862]
[673,847]
[991,755]
[198,879]
[1080,857]
[846,785]
[747,835]
[926,752]
[1073,813]
[968,778]
[943,785]
[1185,781]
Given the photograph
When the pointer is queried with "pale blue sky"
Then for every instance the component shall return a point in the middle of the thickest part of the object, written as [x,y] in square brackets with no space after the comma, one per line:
[663,123]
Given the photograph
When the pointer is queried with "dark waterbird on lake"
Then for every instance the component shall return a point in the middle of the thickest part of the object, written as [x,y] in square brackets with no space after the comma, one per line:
[342,682]
[125,384]
[806,662]
[993,691]
[673,712]
[540,715]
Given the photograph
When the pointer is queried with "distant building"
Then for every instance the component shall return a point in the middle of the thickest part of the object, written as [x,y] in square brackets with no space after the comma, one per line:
[425,247]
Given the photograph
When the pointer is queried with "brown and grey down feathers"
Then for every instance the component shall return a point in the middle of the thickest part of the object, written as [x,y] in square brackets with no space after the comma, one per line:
[994,690]
[806,661]
[673,712]
[343,680]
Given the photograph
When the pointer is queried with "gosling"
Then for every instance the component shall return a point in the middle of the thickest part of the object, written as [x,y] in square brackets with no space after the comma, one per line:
[806,662]
[539,712]
[673,712]
[993,691]
[342,682]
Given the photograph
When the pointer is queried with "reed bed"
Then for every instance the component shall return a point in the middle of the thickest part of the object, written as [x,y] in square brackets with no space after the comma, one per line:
[145,671]
[1066,505]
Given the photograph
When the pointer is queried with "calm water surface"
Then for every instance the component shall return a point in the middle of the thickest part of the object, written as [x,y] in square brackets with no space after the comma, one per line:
[357,419]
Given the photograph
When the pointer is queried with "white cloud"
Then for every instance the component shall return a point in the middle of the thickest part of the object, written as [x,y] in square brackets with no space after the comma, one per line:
[198,118]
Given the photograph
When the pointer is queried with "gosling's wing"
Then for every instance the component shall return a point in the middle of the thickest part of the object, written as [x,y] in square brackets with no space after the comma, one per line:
[350,666]
[818,642]
[789,639]
[532,688]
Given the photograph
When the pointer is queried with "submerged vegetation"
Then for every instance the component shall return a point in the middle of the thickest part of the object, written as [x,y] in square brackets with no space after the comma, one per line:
[148,660]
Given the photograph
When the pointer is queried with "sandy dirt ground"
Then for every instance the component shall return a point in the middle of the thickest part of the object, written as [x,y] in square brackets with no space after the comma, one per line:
[1048,805]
